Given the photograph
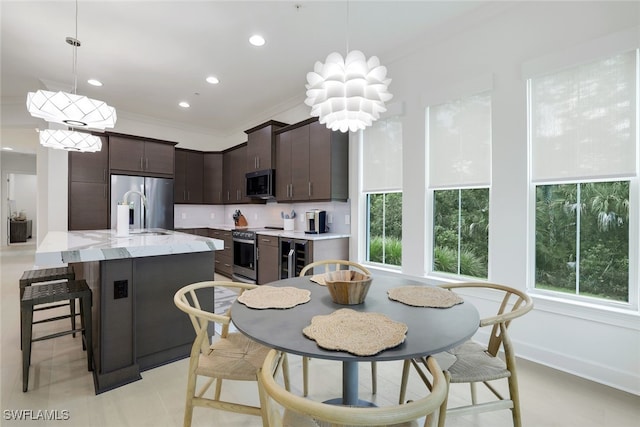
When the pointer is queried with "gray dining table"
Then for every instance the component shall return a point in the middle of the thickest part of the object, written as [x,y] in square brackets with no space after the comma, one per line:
[430,330]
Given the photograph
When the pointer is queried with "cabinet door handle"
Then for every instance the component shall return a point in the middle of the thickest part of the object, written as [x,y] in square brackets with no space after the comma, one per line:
[146,167]
[141,163]
[104,192]
[188,195]
[309,188]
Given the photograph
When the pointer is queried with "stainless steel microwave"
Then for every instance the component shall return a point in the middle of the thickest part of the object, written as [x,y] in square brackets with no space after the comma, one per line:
[261,184]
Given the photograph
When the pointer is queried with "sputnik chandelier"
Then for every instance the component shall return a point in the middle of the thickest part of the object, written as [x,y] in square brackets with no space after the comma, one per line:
[72,110]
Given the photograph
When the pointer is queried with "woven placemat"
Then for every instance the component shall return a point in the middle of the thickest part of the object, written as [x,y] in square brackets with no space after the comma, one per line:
[319,279]
[265,296]
[362,334]
[424,296]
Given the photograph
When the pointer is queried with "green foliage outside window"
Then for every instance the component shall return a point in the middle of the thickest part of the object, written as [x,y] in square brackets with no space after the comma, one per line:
[461,232]
[582,239]
[385,228]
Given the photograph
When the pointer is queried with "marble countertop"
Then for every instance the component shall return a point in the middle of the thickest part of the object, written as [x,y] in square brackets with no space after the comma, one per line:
[302,235]
[63,247]
[276,232]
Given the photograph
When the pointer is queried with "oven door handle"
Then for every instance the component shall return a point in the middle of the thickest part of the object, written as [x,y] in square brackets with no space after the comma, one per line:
[251,242]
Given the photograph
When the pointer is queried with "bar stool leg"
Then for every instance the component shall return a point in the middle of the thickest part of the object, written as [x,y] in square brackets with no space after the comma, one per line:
[72,309]
[27,321]
[87,328]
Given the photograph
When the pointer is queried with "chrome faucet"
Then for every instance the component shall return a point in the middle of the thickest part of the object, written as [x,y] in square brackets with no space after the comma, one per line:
[128,193]
[125,202]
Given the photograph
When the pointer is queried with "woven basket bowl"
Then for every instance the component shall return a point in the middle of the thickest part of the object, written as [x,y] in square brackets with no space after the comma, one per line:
[348,287]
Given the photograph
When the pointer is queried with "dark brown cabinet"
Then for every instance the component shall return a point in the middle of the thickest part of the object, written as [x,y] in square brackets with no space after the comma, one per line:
[268,258]
[212,178]
[223,258]
[261,146]
[312,163]
[89,189]
[88,206]
[127,154]
[188,179]
[234,170]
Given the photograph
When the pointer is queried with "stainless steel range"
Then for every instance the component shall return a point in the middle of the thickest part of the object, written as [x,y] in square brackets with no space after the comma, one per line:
[245,263]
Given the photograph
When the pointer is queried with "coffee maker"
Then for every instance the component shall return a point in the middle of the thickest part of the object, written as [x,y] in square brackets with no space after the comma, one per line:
[316,221]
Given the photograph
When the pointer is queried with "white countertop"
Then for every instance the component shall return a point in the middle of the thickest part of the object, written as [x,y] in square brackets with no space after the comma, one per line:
[63,247]
[302,235]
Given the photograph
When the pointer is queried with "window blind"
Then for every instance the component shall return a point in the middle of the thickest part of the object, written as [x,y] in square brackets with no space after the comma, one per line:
[459,137]
[382,156]
[582,121]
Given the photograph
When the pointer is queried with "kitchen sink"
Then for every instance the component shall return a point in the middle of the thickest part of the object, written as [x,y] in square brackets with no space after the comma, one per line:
[149,233]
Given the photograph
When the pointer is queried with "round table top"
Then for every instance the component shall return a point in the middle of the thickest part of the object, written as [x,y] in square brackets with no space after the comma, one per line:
[430,330]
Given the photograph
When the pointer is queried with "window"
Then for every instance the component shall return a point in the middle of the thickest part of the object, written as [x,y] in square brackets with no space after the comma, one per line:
[583,146]
[384,228]
[459,135]
[382,189]
[461,231]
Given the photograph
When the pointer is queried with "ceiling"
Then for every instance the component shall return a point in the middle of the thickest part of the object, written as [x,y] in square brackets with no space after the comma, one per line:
[150,55]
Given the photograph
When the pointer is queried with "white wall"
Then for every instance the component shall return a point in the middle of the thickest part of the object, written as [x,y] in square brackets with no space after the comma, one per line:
[590,342]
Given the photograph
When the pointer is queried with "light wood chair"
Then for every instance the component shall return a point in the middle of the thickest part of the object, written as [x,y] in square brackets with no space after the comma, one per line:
[302,412]
[326,266]
[231,356]
[475,363]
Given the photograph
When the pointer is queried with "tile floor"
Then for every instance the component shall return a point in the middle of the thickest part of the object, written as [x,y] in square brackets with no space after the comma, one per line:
[59,381]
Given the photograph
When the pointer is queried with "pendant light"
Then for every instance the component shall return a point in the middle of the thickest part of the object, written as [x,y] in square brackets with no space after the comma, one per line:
[348,94]
[70,140]
[72,110]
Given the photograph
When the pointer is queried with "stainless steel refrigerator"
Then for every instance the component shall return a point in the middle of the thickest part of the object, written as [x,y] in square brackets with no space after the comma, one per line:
[159,194]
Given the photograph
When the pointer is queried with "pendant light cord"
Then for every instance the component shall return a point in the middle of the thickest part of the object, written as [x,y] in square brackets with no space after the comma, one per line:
[75,55]
[347,27]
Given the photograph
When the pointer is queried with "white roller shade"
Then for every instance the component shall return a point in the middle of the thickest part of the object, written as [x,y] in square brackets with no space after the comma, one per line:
[583,121]
[382,156]
[459,135]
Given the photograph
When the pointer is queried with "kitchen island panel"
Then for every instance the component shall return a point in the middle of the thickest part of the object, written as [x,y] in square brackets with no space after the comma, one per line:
[164,333]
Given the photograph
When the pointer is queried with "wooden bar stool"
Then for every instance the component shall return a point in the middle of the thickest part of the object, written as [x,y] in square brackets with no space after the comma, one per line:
[30,277]
[48,293]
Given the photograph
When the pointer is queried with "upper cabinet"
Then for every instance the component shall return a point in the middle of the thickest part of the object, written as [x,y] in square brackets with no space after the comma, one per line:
[312,163]
[261,146]
[212,178]
[234,170]
[145,157]
[188,180]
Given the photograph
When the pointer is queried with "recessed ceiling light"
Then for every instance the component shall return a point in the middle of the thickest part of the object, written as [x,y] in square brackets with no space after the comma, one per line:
[213,80]
[256,40]
[7,148]
[94,82]
[184,104]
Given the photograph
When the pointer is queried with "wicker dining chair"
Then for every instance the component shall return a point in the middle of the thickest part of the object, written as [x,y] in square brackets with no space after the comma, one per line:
[302,412]
[231,356]
[474,363]
[326,266]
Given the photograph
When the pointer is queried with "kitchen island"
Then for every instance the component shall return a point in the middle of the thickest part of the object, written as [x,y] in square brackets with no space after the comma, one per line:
[136,326]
